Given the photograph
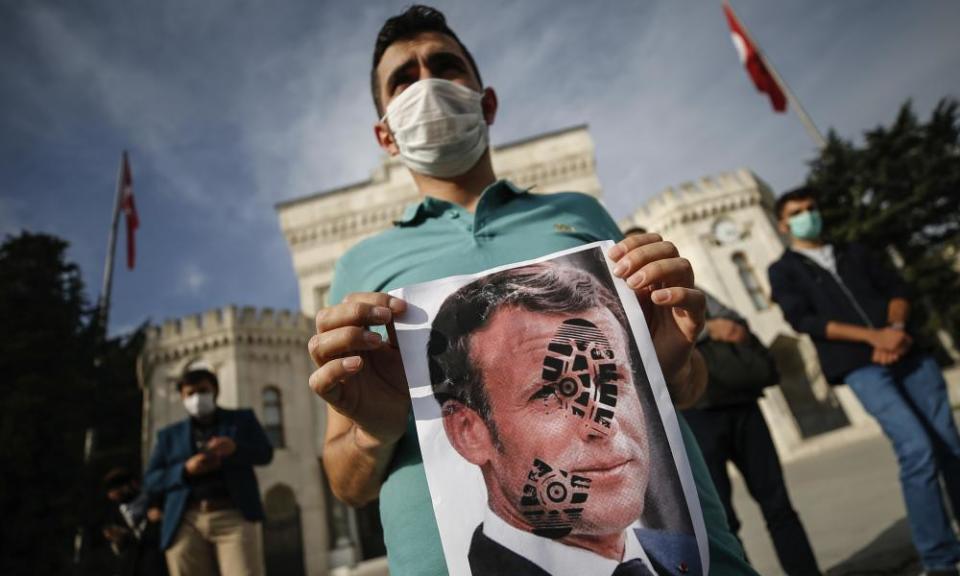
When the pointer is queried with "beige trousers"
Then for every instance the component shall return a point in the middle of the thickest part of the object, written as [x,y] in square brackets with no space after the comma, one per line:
[223,538]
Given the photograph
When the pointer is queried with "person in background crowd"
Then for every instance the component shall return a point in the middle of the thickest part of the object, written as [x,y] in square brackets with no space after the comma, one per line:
[134,527]
[433,111]
[729,427]
[855,308]
[203,467]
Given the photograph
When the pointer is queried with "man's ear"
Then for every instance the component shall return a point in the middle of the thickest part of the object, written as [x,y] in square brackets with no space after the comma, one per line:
[385,138]
[489,104]
[783,226]
[467,432]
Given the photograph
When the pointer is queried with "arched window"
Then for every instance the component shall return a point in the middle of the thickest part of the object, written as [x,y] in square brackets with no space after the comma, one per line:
[273,416]
[750,282]
[282,532]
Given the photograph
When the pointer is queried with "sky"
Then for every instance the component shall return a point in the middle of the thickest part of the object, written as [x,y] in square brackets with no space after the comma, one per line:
[228,107]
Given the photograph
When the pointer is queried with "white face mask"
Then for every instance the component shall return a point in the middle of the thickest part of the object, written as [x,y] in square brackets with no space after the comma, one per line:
[200,404]
[438,126]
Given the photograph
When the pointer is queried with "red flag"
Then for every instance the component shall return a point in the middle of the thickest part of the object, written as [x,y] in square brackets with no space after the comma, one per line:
[129,209]
[750,58]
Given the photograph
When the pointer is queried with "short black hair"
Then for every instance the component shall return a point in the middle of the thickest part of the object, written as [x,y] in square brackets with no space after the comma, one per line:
[798,193]
[194,377]
[413,21]
[544,287]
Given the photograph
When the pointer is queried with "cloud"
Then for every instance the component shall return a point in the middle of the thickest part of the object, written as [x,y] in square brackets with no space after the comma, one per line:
[192,279]
[229,107]
[148,109]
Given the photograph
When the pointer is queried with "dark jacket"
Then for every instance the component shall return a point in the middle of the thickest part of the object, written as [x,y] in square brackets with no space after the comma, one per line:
[811,296]
[165,473]
[737,373]
[670,554]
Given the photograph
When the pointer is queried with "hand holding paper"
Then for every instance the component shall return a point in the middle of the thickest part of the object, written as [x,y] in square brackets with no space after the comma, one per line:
[674,309]
[359,374]
[548,437]
[361,377]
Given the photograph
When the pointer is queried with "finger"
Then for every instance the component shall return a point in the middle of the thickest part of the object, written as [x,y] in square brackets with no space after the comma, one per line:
[691,302]
[378,299]
[883,357]
[353,314]
[642,255]
[674,271]
[343,341]
[630,242]
[326,382]
[689,299]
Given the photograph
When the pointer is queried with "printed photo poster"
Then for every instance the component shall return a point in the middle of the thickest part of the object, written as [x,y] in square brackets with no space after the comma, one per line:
[549,440]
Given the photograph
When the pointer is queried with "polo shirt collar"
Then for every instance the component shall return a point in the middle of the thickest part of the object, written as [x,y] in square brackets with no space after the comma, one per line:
[499,192]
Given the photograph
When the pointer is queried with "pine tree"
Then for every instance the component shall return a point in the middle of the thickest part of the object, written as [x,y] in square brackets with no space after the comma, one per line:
[60,378]
[899,191]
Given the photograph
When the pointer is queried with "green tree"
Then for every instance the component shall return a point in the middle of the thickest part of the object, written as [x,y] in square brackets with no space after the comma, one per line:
[899,191]
[60,377]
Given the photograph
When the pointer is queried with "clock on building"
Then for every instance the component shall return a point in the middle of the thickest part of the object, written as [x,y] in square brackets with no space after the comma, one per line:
[726,231]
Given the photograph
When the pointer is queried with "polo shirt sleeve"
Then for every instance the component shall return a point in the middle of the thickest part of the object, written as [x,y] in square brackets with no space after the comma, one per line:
[726,554]
[607,226]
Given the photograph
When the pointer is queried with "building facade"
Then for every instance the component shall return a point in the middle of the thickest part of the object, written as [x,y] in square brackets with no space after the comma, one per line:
[259,359]
[321,227]
[722,224]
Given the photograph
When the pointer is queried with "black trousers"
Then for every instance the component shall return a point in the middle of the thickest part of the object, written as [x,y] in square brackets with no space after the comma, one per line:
[739,434]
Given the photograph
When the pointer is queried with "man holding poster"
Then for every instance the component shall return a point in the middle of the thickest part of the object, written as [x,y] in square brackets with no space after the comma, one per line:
[434,113]
[539,386]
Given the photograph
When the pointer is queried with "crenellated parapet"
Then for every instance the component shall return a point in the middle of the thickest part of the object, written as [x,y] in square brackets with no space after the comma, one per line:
[198,334]
[355,210]
[705,198]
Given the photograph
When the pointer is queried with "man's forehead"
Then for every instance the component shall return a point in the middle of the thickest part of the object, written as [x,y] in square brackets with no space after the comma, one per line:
[515,331]
[198,385]
[401,51]
[797,204]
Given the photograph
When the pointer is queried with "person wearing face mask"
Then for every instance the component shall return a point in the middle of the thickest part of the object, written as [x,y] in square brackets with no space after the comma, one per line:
[203,468]
[855,308]
[433,112]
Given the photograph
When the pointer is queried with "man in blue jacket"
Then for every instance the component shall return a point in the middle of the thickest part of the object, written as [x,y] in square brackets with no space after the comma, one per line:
[203,466]
[855,309]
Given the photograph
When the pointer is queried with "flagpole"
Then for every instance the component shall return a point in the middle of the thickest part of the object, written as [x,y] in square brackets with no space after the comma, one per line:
[104,308]
[805,118]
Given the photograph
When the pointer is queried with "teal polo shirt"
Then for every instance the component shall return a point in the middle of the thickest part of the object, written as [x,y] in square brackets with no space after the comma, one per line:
[435,239]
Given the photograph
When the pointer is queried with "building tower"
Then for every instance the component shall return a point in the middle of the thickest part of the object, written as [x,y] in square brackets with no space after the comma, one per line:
[260,361]
[724,225]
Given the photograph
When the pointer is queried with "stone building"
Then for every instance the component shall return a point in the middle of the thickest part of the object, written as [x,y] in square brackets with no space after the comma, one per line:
[259,359]
[722,224]
[321,227]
